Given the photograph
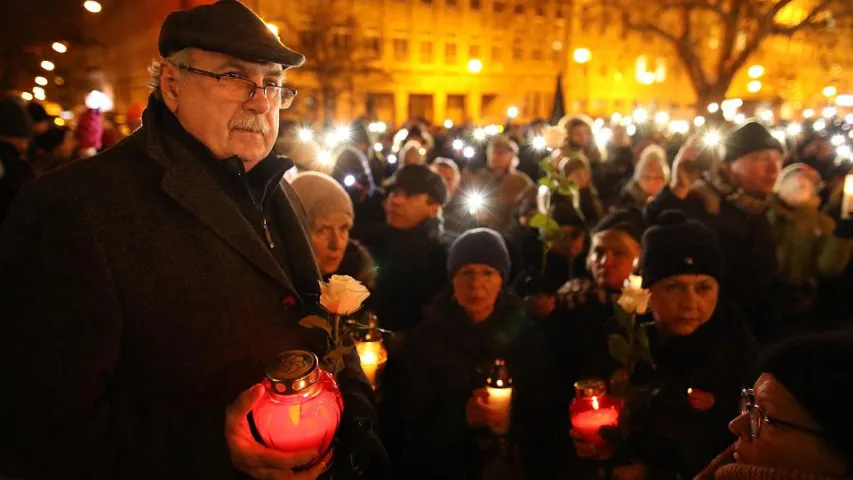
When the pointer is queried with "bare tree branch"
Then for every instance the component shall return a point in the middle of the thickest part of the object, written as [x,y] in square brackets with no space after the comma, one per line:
[807,22]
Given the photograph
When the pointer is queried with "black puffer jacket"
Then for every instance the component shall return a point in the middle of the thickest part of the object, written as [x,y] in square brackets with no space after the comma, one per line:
[448,358]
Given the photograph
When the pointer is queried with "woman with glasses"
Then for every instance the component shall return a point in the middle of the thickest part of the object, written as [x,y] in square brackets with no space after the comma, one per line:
[795,422]
[702,354]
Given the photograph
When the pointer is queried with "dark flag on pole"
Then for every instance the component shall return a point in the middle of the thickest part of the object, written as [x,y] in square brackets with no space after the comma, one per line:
[558,111]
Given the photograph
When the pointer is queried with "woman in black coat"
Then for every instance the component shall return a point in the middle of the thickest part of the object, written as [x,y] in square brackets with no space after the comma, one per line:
[702,353]
[446,408]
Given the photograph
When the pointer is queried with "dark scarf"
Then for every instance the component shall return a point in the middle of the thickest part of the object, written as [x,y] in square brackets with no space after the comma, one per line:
[725,468]
[724,187]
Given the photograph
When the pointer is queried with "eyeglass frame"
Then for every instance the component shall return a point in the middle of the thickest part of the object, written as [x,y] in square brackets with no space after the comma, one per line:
[748,403]
[286,101]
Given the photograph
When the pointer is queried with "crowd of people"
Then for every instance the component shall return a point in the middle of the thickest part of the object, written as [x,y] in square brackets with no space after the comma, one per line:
[144,288]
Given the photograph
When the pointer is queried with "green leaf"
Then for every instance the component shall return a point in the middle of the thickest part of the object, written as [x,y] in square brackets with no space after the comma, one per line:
[540,220]
[644,348]
[546,182]
[619,349]
[565,191]
[625,320]
[316,321]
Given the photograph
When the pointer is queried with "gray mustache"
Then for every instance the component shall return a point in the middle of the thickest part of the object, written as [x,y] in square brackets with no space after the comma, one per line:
[250,124]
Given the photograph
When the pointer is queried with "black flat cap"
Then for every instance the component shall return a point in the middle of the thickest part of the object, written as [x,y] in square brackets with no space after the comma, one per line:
[228,27]
[417,179]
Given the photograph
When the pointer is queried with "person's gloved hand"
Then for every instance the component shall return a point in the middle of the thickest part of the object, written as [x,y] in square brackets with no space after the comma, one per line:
[359,453]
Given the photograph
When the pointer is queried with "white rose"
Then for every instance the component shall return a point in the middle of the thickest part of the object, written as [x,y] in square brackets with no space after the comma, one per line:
[342,295]
[634,300]
[554,136]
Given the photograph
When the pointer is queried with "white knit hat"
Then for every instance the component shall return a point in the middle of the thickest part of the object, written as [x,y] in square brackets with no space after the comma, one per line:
[321,195]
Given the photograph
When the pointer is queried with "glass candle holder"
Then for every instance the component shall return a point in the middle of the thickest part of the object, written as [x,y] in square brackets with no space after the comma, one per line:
[302,407]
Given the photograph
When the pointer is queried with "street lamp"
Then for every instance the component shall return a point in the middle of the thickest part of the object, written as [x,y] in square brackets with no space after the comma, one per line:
[754,86]
[581,55]
[47,65]
[755,71]
[59,47]
[475,65]
[92,6]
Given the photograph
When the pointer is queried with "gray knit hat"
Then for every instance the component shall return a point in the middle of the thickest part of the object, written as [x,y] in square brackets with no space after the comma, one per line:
[321,195]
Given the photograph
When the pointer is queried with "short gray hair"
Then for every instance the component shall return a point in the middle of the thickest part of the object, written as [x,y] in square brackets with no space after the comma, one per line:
[181,57]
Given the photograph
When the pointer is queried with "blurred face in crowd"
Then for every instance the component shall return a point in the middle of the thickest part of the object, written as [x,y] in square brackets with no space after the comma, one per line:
[219,113]
[819,148]
[580,136]
[571,245]
[797,190]
[683,303]
[502,158]
[476,288]
[652,179]
[405,211]
[329,237]
[780,446]
[757,172]
[450,176]
[612,254]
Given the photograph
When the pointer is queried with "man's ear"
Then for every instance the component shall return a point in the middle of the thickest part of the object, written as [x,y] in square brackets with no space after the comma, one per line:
[169,80]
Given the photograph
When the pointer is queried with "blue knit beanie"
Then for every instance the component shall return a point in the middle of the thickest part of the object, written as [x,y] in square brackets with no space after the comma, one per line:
[479,246]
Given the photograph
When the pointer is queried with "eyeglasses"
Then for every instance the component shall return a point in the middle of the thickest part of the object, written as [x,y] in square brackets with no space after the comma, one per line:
[758,417]
[242,89]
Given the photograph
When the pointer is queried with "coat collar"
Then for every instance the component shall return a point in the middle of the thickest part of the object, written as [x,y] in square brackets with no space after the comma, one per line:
[188,182]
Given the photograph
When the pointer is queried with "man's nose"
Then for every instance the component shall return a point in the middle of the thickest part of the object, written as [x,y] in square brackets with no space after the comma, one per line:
[258,103]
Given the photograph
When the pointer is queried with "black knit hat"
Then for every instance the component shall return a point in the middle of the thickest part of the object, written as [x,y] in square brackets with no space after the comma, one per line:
[15,122]
[37,112]
[228,27]
[678,246]
[629,220]
[479,246]
[818,371]
[416,179]
[565,213]
[750,138]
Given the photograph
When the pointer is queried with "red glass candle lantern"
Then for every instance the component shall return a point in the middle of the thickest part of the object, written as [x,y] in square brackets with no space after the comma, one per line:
[302,407]
[592,409]
[499,386]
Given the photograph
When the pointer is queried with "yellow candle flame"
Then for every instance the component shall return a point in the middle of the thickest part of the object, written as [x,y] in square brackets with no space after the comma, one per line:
[595,405]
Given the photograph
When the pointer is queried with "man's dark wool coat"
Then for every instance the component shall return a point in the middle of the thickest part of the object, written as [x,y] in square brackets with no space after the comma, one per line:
[139,297]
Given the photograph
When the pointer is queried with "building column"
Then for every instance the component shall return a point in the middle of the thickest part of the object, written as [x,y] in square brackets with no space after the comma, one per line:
[401,107]
[439,107]
[473,105]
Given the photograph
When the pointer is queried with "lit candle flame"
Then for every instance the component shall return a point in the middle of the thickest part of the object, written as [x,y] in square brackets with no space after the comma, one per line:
[595,405]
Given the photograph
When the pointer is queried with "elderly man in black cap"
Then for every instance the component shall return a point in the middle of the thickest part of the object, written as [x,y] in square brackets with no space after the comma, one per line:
[145,289]
[732,200]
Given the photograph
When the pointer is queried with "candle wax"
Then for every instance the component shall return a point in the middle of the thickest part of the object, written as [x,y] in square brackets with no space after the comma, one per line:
[588,423]
[501,399]
[369,363]
[847,205]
